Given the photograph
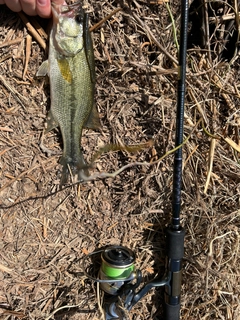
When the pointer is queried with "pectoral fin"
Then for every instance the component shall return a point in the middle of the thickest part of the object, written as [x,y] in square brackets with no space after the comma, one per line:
[93,121]
[43,69]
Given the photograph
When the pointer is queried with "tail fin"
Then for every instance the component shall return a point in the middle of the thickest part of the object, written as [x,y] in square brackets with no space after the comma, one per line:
[73,168]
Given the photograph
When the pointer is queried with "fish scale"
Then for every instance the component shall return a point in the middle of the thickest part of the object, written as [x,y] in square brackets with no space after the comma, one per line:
[71,71]
[76,100]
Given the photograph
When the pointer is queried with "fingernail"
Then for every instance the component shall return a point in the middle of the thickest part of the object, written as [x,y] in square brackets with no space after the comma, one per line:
[42,3]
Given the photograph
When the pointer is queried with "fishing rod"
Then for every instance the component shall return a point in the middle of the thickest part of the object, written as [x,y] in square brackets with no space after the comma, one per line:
[175,232]
[117,276]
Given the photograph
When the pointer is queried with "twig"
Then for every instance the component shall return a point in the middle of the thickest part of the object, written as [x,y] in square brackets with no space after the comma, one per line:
[158,1]
[32,30]
[17,95]
[61,308]
[173,26]
[28,53]
[151,36]
[210,254]
[23,174]
[10,42]
[45,227]
[190,155]
[210,163]
[6,269]
[225,17]
[98,25]
[99,302]
[152,68]
[197,104]
[6,57]
[13,314]
[6,129]
[39,29]
[208,133]
[237,18]
[216,79]
[206,29]
[217,82]
[233,144]
[105,175]
[118,147]
[6,150]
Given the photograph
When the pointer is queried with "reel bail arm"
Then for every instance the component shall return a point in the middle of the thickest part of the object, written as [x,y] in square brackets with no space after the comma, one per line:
[130,297]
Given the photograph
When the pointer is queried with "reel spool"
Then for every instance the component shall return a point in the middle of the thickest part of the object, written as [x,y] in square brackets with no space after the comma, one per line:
[117,267]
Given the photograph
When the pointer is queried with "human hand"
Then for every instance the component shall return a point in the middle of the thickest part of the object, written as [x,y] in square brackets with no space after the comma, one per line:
[32,7]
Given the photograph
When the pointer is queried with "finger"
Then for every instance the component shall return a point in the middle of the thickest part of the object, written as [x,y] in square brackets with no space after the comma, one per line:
[14,5]
[43,8]
[2,2]
[58,2]
[29,7]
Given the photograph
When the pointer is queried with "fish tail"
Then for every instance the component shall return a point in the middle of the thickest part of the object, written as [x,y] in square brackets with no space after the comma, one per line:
[78,167]
[65,174]
[81,169]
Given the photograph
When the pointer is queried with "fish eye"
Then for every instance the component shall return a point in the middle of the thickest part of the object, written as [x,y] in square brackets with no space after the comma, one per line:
[79,18]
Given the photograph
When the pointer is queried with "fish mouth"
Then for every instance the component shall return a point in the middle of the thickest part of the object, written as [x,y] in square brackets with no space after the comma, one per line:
[67,10]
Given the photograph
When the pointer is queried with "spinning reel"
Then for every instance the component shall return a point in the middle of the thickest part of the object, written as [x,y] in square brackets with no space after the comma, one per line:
[120,280]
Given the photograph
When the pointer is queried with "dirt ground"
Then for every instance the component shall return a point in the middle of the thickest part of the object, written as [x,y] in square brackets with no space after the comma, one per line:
[45,231]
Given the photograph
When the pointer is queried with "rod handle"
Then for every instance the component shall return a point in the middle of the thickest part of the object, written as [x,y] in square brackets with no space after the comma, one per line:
[175,243]
[171,312]
[175,252]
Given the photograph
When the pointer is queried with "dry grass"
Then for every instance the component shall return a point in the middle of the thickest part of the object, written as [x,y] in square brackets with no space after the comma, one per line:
[45,232]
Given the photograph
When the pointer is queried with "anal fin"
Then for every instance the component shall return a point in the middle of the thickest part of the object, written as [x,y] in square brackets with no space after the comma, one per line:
[93,121]
[51,122]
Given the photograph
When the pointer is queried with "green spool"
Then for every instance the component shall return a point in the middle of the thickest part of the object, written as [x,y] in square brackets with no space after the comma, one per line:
[117,262]
[115,272]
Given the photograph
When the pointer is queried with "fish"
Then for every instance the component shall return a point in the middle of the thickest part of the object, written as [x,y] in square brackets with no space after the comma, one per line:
[71,71]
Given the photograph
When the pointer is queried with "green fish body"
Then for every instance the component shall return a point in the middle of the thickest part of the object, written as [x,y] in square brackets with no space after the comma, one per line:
[71,72]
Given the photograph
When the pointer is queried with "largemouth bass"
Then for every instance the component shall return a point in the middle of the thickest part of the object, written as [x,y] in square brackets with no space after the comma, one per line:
[71,70]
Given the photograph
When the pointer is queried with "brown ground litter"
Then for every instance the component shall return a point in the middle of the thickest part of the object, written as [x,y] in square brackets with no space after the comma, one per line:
[45,231]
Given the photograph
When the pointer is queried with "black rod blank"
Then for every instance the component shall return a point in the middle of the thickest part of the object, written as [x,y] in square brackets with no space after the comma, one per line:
[177,171]
[175,233]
